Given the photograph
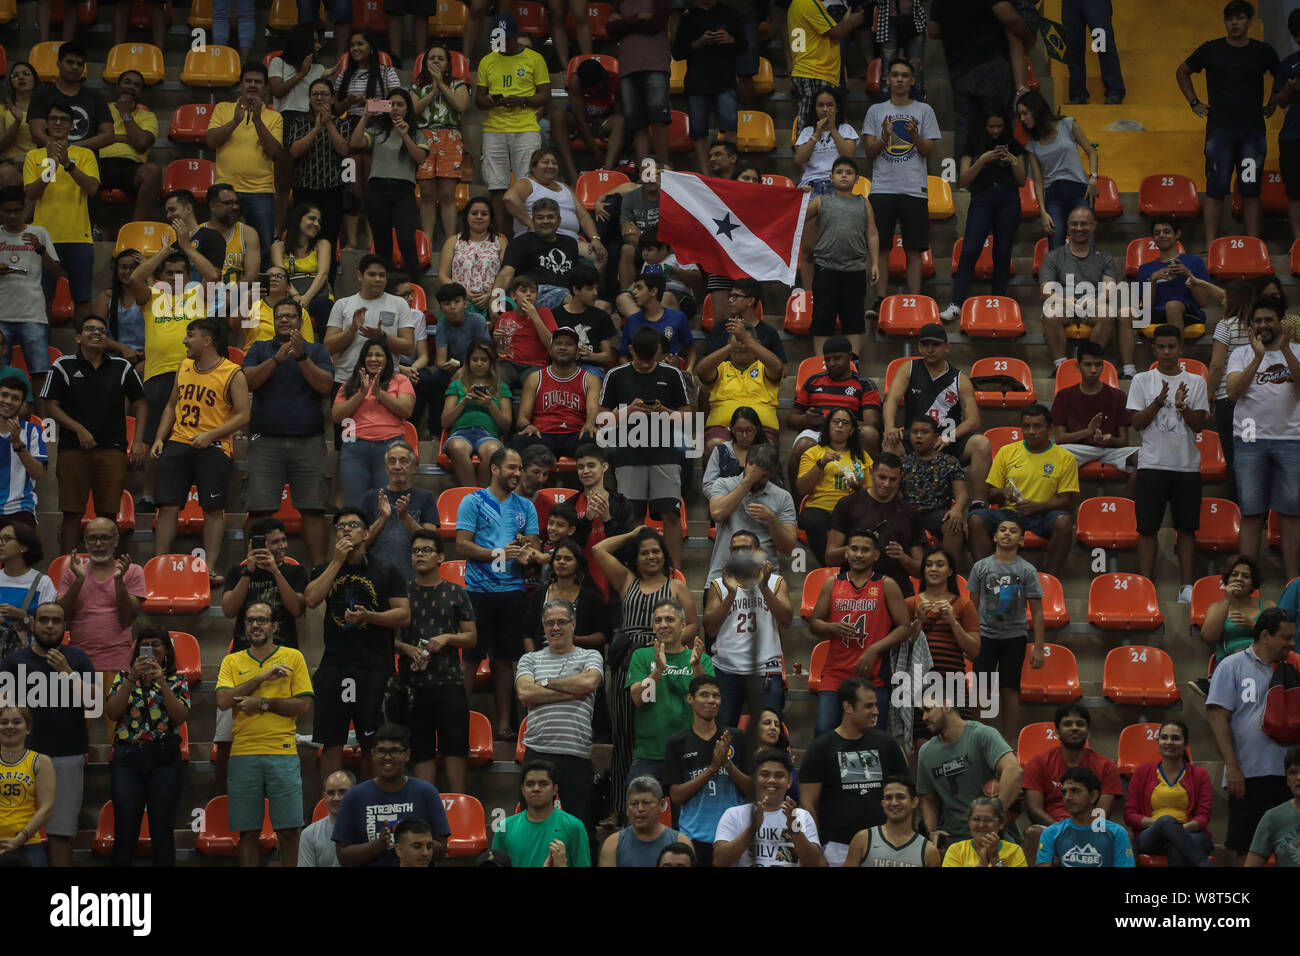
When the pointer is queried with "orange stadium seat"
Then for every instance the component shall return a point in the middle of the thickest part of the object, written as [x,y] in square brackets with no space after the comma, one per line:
[1107,523]
[1068,374]
[211,66]
[520,749]
[1029,208]
[1239,257]
[816,664]
[1190,365]
[1139,674]
[595,183]
[106,833]
[1123,602]
[1054,611]
[19,358]
[320,811]
[201,14]
[468,825]
[145,238]
[776,179]
[1274,530]
[452,571]
[862,187]
[896,366]
[176,584]
[283,15]
[369,15]
[1295,258]
[533,18]
[449,19]
[145,58]
[812,586]
[217,839]
[898,261]
[190,519]
[755,132]
[1272,195]
[196,175]
[984,264]
[940,201]
[1138,745]
[448,504]
[290,516]
[125,512]
[8,12]
[798,312]
[679,132]
[1058,680]
[548,498]
[604,59]
[1170,195]
[1220,525]
[189,663]
[657,525]
[764,79]
[60,564]
[1002,436]
[1012,368]
[1036,738]
[597,19]
[1107,205]
[907,314]
[706,313]
[1040,253]
[991,317]
[423,251]
[1139,253]
[480,739]
[190,123]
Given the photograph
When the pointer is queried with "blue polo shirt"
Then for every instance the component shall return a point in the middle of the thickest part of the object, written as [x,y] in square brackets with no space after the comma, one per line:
[495,524]
[286,406]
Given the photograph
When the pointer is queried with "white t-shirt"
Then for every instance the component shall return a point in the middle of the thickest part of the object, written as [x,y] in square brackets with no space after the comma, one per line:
[388,311]
[900,169]
[1168,444]
[773,850]
[299,97]
[22,299]
[824,153]
[1271,400]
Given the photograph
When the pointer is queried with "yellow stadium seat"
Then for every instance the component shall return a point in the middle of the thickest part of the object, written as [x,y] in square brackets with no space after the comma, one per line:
[862,187]
[211,66]
[8,11]
[677,77]
[145,58]
[449,19]
[201,14]
[941,204]
[763,80]
[284,15]
[755,132]
[145,238]
[44,59]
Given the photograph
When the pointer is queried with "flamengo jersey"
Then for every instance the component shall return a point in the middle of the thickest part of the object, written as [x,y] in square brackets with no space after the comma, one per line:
[18,796]
[560,405]
[936,398]
[203,401]
[865,608]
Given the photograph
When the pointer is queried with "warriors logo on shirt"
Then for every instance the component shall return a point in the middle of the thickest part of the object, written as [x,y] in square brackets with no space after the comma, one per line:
[900,147]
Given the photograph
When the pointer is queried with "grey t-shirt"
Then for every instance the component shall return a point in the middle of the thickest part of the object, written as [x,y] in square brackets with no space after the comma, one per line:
[393,543]
[772,495]
[639,209]
[390,160]
[956,772]
[1060,157]
[316,845]
[563,727]
[900,169]
[1001,592]
[1061,262]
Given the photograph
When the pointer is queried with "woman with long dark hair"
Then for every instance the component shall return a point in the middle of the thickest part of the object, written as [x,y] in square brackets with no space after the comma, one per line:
[295,68]
[121,310]
[364,77]
[948,619]
[569,582]
[440,103]
[817,147]
[835,467]
[473,256]
[150,702]
[318,144]
[397,149]
[1059,179]
[306,257]
[15,134]
[379,402]
[475,414]
[1169,802]
[728,459]
[1229,624]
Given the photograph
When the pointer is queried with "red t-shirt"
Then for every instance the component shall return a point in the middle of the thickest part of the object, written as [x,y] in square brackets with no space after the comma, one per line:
[1044,772]
[1073,410]
[596,536]
[517,339]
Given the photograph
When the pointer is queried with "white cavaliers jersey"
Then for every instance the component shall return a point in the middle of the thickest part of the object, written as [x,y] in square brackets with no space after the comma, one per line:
[748,628]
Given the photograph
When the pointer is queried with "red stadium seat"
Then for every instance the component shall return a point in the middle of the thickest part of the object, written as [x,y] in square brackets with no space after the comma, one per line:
[468,825]
[657,525]
[597,19]
[875,73]
[1138,744]
[533,18]
[1272,195]
[896,366]
[1054,612]
[19,359]
[1139,674]
[321,811]
[812,586]
[548,498]
[62,307]
[907,314]
[1036,738]
[798,312]
[604,59]
[369,15]
[992,317]
[1040,253]
[288,514]
[189,663]
[1220,525]
[520,749]
[1190,365]
[176,584]
[1029,208]
[776,179]
[984,264]
[1140,252]
[480,740]
[1274,530]
[217,839]
[1011,367]
[1123,602]
[816,664]
[423,250]
[190,123]
[1107,523]
[1239,257]
[106,833]
[453,571]
[1002,436]
[1057,682]
[125,512]
[1295,258]
[1170,195]
[1068,374]
[190,518]
[595,183]
[898,261]
[1107,204]
[679,132]
[60,564]
[196,175]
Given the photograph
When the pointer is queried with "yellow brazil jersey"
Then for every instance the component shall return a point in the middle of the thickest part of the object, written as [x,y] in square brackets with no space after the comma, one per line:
[1040,477]
[266,733]
[18,796]
[241,160]
[735,387]
[143,117]
[832,486]
[62,208]
[203,401]
[232,270]
[808,23]
[965,854]
[519,75]
[165,319]
[266,326]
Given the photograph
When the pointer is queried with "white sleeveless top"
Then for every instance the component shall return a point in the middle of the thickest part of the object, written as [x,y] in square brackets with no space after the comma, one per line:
[748,623]
[562,195]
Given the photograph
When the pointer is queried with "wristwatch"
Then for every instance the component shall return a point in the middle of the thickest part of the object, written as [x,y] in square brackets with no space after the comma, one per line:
[1194,103]
[69,165]
[544,682]
[266,704]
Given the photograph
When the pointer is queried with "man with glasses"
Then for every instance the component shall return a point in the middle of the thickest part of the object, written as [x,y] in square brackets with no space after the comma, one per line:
[60,178]
[267,687]
[124,161]
[86,394]
[558,686]
[246,134]
[316,845]
[363,829]
[398,511]
[437,705]
[365,603]
[242,245]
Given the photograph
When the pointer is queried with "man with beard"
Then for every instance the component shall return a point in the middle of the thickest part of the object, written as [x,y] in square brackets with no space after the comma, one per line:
[543,254]
[559,402]
[243,249]
[493,527]
[1263,377]
[58,725]
[268,688]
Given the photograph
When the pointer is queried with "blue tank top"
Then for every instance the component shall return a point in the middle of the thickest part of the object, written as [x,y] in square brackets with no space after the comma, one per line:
[130,327]
[634,852]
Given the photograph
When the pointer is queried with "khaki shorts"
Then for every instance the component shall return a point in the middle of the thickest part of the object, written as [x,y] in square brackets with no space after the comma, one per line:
[101,471]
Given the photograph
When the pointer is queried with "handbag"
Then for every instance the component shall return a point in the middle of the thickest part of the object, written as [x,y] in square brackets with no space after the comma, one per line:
[12,637]
[1282,704]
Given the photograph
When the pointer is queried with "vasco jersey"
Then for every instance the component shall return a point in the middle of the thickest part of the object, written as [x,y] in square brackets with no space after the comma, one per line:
[18,796]
[560,404]
[494,525]
[685,758]
[203,401]
[936,398]
[1065,843]
[865,608]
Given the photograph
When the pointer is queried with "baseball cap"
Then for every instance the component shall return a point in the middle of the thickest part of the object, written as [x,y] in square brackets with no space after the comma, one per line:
[933,331]
[566,330]
[507,24]
[837,343]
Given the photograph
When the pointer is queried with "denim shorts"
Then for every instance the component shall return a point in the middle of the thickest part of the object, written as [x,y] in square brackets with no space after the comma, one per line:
[1228,149]
[34,337]
[821,187]
[723,105]
[476,437]
[1268,475]
[645,99]
[1040,523]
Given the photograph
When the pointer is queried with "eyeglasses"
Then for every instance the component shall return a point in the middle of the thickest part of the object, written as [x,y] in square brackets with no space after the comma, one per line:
[99,538]
[991,820]
[281,276]
[739,548]
[421,551]
[93,330]
[389,751]
[558,623]
[738,295]
[348,526]
[257,620]
[58,119]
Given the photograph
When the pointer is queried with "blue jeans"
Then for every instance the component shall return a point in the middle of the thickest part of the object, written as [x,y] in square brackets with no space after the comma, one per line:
[221,26]
[34,337]
[1040,523]
[1097,15]
[140,783]
[1167,836]
[645,768]
[1063,196]
[361,467]
[828,710]
[259,213]
[1226,151]
[734,692]
[723,105]
[34,854]
[1268,475]
[551,296]
[993,210]
[339,11]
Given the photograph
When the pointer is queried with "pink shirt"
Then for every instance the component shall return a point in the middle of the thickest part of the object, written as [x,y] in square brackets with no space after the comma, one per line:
[373,421]
[94,626]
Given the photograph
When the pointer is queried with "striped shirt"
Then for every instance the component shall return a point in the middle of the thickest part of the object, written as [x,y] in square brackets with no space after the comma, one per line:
[563,727]
[21,490]
[1233,333]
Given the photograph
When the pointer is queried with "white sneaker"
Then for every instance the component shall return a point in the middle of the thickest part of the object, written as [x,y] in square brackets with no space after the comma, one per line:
[952,313]
[1185,595]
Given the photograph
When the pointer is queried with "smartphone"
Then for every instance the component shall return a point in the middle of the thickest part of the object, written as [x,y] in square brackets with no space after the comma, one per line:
[147,652]
[379,106]
[258,541]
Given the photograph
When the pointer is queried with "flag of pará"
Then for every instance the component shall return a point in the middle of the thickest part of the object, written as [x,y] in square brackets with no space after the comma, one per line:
[733,228]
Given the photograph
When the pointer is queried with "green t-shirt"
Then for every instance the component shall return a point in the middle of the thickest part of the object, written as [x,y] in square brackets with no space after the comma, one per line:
[957,772]
[476,416]
[668,714]
[529,843]
[1278,834]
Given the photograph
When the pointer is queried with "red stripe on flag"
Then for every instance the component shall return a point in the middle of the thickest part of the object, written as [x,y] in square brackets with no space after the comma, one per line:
[692,241]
